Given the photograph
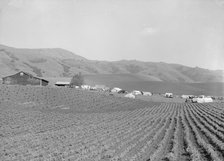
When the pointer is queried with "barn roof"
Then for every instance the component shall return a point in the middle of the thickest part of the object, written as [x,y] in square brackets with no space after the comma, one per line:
[26,74]
[62,83]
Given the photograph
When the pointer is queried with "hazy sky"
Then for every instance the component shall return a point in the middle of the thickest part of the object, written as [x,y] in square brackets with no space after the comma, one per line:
[189,32]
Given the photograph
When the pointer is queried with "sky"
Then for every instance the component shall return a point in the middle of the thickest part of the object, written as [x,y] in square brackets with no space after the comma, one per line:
[188,32]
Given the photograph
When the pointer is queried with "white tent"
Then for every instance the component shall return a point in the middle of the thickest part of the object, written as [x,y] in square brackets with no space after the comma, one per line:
[130,95]
[202,99]
[186,96]
[85,86]
[135,92]
[147,93]
[169,95]
[116,89]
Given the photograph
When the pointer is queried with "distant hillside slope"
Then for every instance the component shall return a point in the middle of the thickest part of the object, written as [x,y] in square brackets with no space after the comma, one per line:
[58,62]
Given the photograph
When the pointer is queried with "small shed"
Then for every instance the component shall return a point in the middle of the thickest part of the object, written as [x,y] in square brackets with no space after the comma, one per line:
[62,84]
[23,78]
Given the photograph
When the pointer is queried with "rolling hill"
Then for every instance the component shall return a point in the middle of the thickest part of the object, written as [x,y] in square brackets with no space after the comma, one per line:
[58,62]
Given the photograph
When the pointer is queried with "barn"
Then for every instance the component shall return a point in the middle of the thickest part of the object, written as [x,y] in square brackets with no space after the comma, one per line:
[23,78]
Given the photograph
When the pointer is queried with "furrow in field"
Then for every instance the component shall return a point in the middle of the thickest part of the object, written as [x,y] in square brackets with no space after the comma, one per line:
[210,141]
[208,152]
[166,145]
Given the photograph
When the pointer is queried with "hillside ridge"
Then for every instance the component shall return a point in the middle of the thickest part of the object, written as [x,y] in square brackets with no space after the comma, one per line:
[57,62]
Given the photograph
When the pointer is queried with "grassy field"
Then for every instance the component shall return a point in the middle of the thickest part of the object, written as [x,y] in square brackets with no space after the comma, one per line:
[44,123]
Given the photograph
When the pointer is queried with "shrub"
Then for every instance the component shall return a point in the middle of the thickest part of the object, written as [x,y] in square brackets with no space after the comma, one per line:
[77,80]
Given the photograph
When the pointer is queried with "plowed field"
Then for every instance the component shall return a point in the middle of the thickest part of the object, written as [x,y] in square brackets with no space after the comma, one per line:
[41,123]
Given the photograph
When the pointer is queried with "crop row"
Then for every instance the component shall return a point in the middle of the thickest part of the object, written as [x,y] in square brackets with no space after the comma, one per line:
[119,129]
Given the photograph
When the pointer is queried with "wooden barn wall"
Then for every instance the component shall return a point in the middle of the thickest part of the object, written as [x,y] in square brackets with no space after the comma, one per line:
[23,80]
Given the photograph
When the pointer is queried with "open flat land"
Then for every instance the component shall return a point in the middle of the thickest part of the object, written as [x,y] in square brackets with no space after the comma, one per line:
[54,124]
[131,82]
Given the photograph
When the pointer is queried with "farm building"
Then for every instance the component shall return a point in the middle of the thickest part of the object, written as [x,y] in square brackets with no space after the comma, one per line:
[62,84]
[23,78]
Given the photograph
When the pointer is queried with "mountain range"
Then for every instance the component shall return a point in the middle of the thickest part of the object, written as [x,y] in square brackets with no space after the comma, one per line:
[57,62]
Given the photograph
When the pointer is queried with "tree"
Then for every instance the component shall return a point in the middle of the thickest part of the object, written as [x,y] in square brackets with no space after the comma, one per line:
[77,80]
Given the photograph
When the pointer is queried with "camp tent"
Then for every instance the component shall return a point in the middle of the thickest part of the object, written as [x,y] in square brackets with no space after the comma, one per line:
[129,95]
[116,89]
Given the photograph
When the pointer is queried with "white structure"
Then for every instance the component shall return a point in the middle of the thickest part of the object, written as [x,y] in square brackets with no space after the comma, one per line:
[93,88]
[85,86]
[116,89]
[147,93]
[101,87]
[135,92]
[186,96]
[130,95]
[202,99]
[169,95]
